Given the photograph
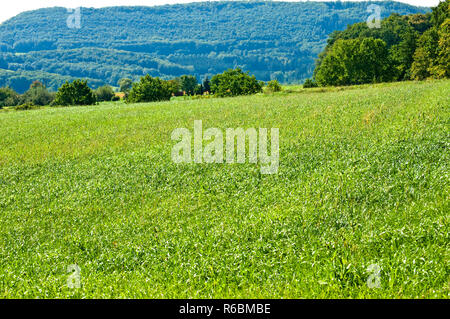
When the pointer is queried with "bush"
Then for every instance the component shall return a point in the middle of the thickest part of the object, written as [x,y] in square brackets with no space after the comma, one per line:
[274,86]
[75,93]
[235,82]
[26,106]
[149,90]
[115,98]
[104,93]
[38,95]
[8,97]
[310,83]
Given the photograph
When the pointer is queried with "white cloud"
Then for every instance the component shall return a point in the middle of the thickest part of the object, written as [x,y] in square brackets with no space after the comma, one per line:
[10,9]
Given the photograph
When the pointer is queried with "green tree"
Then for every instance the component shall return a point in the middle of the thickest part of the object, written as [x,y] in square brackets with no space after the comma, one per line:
[440,13]
[75,93]
[188,84]
[443,66]
[235,82]
[431,58]
[125,85]
[8,97]
[38,95]
[174,86]
[310,83]
[104,93]
[149,89]
[425,56]
[206,85]
[274,86]
[355,61]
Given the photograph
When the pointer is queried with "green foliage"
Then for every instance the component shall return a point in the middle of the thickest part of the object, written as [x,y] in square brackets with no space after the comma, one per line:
[150,89]
[75,93]
[274,86]
[432,56]
[443,65]
[310,83]
[206,85]
[397,32]
[125,85]
[8,97]
[417,48]
[425,55]
[26,106]
[355,61]
[174,40]
[104,93]
[188,84]
[440,13]
[38,95]
[235,82]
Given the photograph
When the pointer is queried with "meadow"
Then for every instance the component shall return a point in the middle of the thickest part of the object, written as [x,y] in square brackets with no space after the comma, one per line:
[363,180]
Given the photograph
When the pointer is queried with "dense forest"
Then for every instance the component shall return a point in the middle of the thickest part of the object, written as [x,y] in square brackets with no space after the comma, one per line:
[272,40]
[410,47]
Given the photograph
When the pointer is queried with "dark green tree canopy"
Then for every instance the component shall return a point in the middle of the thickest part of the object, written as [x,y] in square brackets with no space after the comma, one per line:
[405,47]
[149,89]
[8,97]
[104,93]
[75,93]
[38,95]
[355,61]
[235,82]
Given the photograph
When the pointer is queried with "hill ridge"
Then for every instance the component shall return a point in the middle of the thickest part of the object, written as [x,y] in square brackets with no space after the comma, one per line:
[273,40]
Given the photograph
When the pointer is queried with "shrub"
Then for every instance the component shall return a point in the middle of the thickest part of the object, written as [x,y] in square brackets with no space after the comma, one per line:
[310,83]
[38,95]
[26,106]
[104,93]
[149,90]
[75,93]
[274,86]
[8,97]
[235,82]
[115,98]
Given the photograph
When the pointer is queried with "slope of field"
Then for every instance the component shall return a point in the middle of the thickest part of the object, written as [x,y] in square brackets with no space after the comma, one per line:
[271,39]
[363,180]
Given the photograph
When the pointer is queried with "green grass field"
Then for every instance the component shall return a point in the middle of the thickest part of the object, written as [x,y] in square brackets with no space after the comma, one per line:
[363,180]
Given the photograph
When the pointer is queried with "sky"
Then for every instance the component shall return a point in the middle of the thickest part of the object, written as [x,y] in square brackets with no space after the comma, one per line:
[10,9]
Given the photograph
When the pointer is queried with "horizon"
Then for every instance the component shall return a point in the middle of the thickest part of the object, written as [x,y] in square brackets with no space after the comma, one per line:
[21,6]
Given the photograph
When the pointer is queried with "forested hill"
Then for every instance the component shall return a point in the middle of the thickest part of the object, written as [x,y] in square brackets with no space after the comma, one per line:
[270,39]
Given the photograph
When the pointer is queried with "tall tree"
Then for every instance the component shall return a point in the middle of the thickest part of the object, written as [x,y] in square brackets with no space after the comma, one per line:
[355,61]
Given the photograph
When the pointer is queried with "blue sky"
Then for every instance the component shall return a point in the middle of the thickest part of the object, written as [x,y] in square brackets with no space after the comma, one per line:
[10,9]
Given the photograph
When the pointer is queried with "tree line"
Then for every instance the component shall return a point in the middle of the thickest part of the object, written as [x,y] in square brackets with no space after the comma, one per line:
[232,82]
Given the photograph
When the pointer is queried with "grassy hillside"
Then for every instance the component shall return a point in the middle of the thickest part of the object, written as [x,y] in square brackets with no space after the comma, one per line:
[271,39]
[363,180]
